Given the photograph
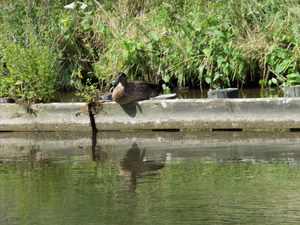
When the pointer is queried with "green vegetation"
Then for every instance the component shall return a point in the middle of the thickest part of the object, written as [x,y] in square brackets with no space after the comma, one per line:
[45,46]
[28,50]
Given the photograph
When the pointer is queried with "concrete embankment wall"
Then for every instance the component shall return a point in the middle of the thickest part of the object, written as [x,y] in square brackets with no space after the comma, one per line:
[44,117]
[260,113]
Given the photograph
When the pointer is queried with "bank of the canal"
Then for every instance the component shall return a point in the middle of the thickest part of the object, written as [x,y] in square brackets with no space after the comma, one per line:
[250,113]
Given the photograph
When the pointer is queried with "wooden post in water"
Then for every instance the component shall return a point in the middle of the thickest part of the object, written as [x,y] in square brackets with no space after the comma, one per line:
[224,93]
[292,91]
[106,97]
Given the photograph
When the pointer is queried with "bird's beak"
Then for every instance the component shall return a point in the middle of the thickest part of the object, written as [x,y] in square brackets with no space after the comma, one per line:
[115,82]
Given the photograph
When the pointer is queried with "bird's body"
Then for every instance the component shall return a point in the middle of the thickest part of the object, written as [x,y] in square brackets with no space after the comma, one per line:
[127,92]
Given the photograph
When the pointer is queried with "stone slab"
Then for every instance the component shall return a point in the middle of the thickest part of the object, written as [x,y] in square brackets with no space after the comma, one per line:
[252,113]
[223,93]
[44,117]
[292,91]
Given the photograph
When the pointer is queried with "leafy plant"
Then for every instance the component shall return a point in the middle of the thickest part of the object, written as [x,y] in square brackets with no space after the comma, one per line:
[283,65]
[28,52]
[219,43]
[88,92]
[166,89]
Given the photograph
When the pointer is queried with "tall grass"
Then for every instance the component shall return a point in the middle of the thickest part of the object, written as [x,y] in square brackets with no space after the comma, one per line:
[219,43]
[222,43]
[29,56]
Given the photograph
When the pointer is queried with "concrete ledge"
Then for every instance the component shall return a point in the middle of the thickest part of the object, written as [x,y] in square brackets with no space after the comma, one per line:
[260,113]
[44,117]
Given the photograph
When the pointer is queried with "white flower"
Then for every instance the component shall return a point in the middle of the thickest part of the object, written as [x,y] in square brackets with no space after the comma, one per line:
[72,5]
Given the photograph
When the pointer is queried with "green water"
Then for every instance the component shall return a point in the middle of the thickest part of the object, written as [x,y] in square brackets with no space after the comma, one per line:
[150,179]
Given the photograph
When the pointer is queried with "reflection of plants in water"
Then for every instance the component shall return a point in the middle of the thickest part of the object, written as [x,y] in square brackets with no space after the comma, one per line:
[271,93]
[206,171]
[68,185]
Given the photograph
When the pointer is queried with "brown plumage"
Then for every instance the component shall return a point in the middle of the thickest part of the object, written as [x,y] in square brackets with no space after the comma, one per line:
[127,92]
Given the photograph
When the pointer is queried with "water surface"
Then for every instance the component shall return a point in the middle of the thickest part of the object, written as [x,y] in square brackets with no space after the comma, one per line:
[149,178]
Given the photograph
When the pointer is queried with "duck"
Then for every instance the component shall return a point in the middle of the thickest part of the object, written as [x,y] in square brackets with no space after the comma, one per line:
[128,92]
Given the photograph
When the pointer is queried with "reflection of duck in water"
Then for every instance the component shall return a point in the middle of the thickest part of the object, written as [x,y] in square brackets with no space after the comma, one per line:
[133,166]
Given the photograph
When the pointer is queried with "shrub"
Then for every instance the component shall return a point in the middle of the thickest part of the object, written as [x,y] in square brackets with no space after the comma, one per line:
[28,51]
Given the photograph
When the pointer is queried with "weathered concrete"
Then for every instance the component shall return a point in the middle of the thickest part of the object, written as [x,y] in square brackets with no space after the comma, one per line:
[260,113]
[223,93]
[292,91]
[44,117]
